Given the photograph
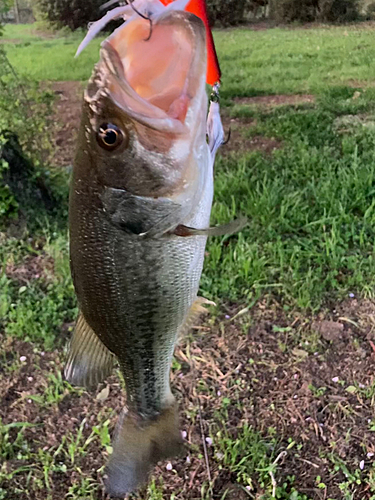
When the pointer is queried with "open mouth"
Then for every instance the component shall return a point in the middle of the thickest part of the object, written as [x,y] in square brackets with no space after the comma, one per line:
[157,69]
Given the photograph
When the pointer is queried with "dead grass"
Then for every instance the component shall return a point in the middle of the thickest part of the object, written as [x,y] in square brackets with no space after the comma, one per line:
[33,267]
[270,101]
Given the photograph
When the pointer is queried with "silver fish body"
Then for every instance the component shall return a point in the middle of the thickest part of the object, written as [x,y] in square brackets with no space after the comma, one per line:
[142,169]
[135,291]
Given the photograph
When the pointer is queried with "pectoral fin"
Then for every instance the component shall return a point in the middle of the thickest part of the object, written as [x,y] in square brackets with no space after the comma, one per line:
[89,361]
[223,230]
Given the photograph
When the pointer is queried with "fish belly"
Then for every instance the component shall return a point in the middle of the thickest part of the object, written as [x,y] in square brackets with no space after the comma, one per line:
[135,293]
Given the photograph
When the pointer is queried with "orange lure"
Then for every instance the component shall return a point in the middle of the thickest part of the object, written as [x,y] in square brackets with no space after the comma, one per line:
[198,7]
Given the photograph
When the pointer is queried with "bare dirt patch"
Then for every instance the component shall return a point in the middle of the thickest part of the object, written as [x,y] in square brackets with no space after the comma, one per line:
[67,117]
[264,144]
[268,101]
[14,41]
[33,267]
[240,140]
[359,84]
[272,370]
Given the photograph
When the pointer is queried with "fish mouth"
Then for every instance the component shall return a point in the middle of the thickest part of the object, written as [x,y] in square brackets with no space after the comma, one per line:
[157,70]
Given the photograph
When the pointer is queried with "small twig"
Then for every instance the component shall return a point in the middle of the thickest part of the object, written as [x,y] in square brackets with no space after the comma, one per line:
[372,345]
[240,313]
[308,462]
[274,484]
[348,320]
[204,442]
[273,480]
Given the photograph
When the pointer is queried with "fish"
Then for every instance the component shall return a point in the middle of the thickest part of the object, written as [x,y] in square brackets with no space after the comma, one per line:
[139,212]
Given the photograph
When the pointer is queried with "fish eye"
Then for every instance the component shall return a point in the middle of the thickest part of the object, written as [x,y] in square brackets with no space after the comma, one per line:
[109,136]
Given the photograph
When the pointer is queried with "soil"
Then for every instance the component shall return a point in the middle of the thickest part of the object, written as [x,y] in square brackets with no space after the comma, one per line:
[67,118]
[240,140]
[258,367]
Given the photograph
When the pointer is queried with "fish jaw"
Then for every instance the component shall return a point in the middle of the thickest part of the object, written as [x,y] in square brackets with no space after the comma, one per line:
[160,69]
[157,77]
[164,146]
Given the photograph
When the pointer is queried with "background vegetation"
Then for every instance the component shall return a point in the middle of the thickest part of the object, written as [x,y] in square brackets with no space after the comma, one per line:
[261,375]
[78,13]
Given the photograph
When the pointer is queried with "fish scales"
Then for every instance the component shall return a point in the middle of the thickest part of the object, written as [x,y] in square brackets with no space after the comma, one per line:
[136,298]
[142,170]
[135,293]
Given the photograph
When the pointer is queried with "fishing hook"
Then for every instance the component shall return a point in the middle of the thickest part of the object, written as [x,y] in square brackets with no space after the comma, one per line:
[228,138]
[130,2]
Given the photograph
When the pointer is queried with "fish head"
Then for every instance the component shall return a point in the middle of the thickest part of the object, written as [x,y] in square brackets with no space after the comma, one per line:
[145,107]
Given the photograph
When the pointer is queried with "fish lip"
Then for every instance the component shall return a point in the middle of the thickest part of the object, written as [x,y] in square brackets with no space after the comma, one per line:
[152,116]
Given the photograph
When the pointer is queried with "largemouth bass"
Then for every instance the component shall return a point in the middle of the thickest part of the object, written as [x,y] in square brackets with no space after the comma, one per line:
[140,203]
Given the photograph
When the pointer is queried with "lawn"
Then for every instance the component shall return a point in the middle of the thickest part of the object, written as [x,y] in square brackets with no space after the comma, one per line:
[276,385]
[270,61]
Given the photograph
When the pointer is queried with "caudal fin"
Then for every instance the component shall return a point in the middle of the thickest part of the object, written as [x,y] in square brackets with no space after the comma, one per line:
[139,445]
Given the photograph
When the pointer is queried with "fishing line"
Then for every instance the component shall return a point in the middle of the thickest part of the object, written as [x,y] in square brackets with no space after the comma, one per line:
[228,138]
[129,2]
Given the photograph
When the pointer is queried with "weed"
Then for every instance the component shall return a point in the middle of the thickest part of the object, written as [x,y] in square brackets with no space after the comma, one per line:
[317,392]
[253,460]
[155,490]
[12,441]
[84,489]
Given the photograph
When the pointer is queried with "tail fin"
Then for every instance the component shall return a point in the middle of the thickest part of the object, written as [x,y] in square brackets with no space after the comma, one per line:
[138,446]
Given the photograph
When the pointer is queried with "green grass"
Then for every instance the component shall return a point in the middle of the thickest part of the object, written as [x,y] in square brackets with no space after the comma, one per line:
[291,61]
[45,464]
[36,310]
[269,61]
[310,236]
[248,455]
[309,240]
[19,33]
[48,57]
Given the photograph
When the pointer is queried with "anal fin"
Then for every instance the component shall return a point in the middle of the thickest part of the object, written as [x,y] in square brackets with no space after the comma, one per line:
[196,310]
[89,360]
